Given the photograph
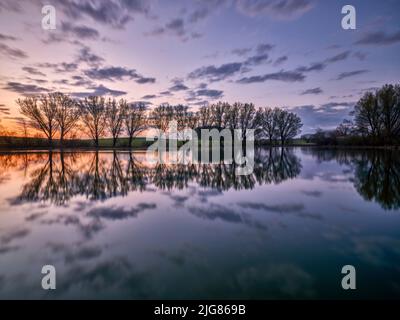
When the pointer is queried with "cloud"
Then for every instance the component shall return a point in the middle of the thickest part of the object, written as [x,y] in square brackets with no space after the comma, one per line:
[319,66]
[24,88]
[12,52]
[166,93]
[349,74]
[120,213]
[59,67]
[14,235]
[326,116]
[264,47]
[79,31]
[175,27]
[149,96]
[204,9]
[241,51]
[360,55]
[257,60]
[339,57]
[115,13]
[215,94]
[178,87]
[4,110]
[280,60]
[100,90]
[4,37]
[33,71]
[312,91]
[379,38]
[117,73]
[214,73]
[285,76]
[87,56]
[277,9]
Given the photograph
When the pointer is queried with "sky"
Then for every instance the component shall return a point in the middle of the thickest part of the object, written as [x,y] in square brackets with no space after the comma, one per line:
[273,53]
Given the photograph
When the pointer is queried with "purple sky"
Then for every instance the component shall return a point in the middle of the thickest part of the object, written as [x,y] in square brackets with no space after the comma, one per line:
[286,53]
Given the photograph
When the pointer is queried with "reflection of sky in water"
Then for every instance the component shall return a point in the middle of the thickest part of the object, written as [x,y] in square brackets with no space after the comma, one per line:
[198,231]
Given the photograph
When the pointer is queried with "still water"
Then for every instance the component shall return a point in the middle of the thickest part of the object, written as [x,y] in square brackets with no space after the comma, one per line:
[115,225]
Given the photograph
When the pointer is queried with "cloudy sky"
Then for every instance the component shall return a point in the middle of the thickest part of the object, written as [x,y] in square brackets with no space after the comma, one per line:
[287,53]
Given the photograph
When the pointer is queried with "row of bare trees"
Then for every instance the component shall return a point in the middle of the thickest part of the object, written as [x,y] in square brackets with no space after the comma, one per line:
[57,114]
[271,124]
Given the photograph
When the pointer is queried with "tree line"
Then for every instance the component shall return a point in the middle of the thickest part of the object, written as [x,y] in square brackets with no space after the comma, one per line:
[59,115]
[376,121]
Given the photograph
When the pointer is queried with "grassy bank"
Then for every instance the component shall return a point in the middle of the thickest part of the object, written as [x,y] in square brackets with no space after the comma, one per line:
[38,143]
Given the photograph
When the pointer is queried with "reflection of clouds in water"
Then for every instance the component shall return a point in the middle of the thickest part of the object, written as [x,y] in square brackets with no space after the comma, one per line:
[378,250]
[96,217]
[88,230]
[14,235]
[313,193]
[11,236]
[286,208]
[276,280]
[74,254]
[109,279]
[6,249]
[220,212]
[36,215]
[205,194]
[280,208]
[119,213]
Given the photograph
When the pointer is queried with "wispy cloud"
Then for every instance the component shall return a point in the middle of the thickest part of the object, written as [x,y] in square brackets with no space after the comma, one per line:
[285,76]
[349,74]
[379,38]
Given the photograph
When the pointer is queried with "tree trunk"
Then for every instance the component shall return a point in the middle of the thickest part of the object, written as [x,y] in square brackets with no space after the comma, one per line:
[130,141]
[62,139]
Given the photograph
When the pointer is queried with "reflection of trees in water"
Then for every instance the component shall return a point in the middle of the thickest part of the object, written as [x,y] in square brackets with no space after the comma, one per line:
[18,161]
[100,176]
[376,172]
[276,165]
[377,178]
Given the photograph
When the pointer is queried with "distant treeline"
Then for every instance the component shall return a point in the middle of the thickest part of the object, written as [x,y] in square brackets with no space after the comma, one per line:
[376,121]
[62,119]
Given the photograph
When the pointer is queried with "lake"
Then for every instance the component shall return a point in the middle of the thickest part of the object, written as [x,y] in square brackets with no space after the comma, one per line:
[115,225]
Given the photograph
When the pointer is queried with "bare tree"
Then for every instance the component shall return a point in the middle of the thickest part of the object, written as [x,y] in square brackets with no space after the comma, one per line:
[41,113]
[219,114]
[288,125]
[389,105]
[67,114]
[94,117]
[247,118]
[204,116]
[268,123]
[115,115]
[345,128]
[161,117]
[367,116]
[192,120]
[135,120]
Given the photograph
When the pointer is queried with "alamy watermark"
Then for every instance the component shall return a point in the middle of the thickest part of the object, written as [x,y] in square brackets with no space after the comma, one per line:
[49,18]
[230,146]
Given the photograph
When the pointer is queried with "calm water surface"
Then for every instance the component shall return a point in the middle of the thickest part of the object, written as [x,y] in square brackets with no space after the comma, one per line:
[117,226]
